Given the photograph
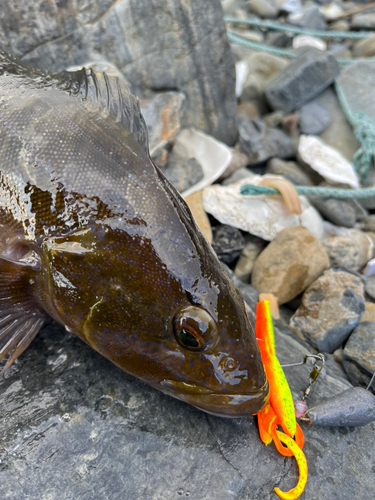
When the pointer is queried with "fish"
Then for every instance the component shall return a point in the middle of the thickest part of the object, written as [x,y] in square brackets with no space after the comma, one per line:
[96,238]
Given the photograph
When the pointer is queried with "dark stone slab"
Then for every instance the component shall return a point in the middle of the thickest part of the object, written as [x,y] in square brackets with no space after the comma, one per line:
[359,354]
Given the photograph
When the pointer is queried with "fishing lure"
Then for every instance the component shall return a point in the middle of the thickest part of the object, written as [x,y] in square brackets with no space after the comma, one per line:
[279,410]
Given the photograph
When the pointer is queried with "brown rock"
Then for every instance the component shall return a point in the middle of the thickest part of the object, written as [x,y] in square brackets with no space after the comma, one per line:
[239,160]
[195,204]
[352,252]
[289,264]
[369,314]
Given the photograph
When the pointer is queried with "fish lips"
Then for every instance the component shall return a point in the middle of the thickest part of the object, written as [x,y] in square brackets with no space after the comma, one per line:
[218,404]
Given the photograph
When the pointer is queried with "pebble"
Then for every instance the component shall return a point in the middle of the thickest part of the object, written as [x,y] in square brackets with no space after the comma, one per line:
[263,8]
[364,48]
[370,286]
[359,354]
[228,243]
[247,111]
[290,170]
[341,25]
[249,254]
[263,216]
[260,142]
[309,17]
[289,6]
[327,161]
[369,314]
[340,212]
[308,41]
[352,252]
[331,11]
[314,118]
[239,161]
[364,21]
[289,264]
[305,77]
[195,204]
[331,308]
[353,407]
[182,172]
[368,223]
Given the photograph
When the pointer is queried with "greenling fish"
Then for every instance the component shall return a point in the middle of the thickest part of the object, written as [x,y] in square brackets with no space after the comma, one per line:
[93,235]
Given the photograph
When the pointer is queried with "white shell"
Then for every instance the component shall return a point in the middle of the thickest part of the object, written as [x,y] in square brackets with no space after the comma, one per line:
[308,41]
[262,215]
[327,161]
[213,155]
[242,70]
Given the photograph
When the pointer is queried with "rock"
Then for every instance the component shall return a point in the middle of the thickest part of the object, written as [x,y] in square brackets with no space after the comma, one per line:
[369,314]
[367,223]
[341,25]
[327,161]
[339,133]
[93,431]
[309,17]
[195,204]
[305,77]
[245,264]
[353,407]
[162,116]
[260,142]
[359,354]
[273,119]
[228,243]
[289,6]
[370,286]
[263,216]
[308,41]
[365,47]
[314,118]
[289,264]
[289,170]
[290,123]
[364,21]
[183,172]
[261,68]
[239,161]
[213,156]
[357,83]
[331,11]
[339,50]
[331,308]
[263,8]
[182,56]
[352,252]
[340,212]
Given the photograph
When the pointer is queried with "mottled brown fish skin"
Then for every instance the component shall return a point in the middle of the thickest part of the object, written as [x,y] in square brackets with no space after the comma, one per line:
[97,238]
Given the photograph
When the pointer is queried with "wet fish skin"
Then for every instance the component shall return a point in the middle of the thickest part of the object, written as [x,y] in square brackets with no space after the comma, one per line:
[95,237]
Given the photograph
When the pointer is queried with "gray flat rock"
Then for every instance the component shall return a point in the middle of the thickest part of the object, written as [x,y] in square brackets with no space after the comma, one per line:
[75,427]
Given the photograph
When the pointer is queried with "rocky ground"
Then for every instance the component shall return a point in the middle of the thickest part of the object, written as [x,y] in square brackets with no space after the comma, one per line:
[73,425]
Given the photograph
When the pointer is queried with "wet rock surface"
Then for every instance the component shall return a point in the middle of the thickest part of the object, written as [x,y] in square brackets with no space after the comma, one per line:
[359,354]
[75,426]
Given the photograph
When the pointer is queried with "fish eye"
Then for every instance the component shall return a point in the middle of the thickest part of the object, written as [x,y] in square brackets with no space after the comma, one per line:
[195,329]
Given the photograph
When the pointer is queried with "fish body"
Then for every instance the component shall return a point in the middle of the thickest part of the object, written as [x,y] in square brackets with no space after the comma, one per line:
[94,236]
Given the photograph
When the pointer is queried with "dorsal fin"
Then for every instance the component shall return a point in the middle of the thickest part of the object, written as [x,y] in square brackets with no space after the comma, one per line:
[109,95]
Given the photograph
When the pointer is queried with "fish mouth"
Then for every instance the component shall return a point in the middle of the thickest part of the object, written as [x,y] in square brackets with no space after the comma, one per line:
[216,403]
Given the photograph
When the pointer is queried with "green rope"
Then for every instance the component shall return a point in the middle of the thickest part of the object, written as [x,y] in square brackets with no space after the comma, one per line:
[339,194]
[276,51]
[272,25]
[364,130]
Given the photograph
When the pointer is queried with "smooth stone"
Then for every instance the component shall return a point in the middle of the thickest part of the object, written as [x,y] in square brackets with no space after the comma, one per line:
[353,407]
[370,286]
[313,118]
[308,41]
[262,215]
[260,142]
[367,224]
[279,39]
[364,21]
[289,6]
[327,161]
[183,172]
[359,354]
[162,115]
[228,243]
[340,212]
[352,252]
[249,254]
[341,25]
[263,8]
[309,17]
[305,77]
[195,204]
[289,170]
[155,44]
[87,428]
[331,11]
[339,133]
[273,119]
[331,308]
[339,50]
[261,68]
[364,48]
[369,314]
[289,264]
[239,161]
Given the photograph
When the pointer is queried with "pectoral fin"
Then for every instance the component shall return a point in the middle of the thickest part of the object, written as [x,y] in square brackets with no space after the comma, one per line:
[20,316]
